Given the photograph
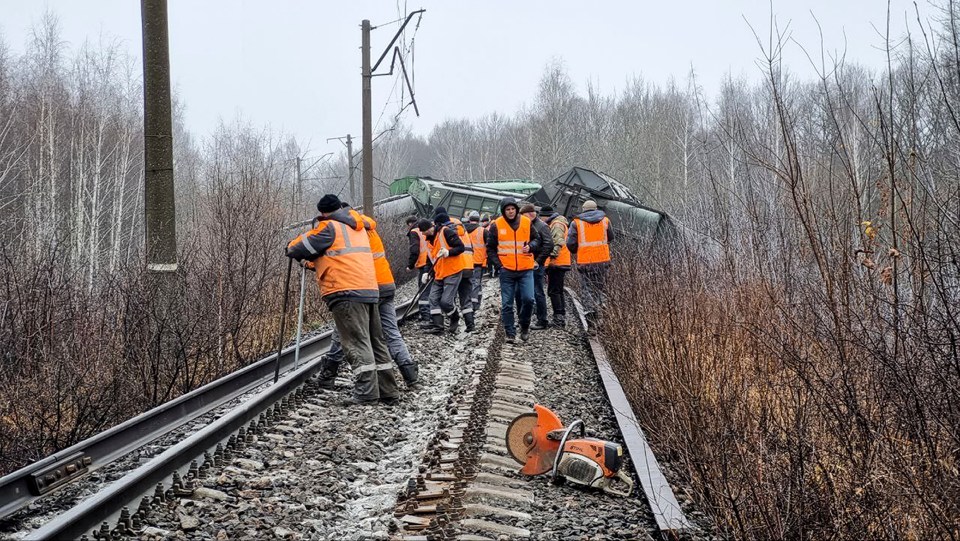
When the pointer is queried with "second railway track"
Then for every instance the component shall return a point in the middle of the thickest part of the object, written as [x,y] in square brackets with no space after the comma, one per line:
[431,468]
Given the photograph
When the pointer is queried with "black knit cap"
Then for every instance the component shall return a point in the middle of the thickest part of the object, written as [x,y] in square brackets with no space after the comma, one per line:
[441,218]
[438,211]
[423,225]
[547,210]
[411,220]
[328,203]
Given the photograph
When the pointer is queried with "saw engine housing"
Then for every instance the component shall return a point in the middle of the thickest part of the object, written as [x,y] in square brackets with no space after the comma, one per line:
[542,444]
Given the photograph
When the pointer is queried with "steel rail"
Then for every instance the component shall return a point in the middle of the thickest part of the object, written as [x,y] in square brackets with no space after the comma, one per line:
[671,520]
[20,488]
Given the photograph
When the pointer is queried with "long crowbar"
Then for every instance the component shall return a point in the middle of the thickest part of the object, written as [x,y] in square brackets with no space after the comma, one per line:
[416,297]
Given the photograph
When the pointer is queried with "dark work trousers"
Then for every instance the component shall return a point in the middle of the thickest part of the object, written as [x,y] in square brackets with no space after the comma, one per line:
[593,278]
[443,295]
[555,277]
[513,284]
[391,333]
[423,303]
[464,294]
[361,336]
[539,298]
[476,295]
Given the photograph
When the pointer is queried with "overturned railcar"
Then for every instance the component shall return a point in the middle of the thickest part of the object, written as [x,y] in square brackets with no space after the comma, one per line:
[565,194]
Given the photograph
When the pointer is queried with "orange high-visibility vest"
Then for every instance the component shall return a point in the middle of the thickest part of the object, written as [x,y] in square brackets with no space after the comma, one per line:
[347,265]
[424,249]
[381,266]
[592,246]
[444,266]
[467,254]
[510,244]
[563,257]
[479,248]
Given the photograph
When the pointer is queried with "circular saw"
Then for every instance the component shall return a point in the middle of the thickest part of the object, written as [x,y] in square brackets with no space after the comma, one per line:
[540,442]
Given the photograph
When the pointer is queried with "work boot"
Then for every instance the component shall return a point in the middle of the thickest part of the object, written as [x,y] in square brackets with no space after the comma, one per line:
[391,401]
[470,322]
[559,321]
[454,322]
[511,339]
[354,401]
[524,334]
[409,372]
[328,373]
[540,325]
[437,325]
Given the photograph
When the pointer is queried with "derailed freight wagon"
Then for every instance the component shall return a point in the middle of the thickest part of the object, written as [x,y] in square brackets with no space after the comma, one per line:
[566,194]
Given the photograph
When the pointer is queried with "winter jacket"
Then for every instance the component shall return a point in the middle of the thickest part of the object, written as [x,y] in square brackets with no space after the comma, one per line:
[413,238]
[492,237]
[347,275]
[558,224]
[544,241]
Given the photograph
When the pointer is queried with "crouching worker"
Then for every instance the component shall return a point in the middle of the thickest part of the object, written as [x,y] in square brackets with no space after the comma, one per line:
[340,251]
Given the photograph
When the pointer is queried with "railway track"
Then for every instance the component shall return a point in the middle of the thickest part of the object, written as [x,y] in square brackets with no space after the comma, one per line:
[284,463]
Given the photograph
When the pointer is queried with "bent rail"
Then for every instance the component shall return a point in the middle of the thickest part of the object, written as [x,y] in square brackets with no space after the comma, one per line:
[663,503]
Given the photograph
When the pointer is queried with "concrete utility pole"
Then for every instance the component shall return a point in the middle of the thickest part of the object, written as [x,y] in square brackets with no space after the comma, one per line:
[159,204]
[299,199]
[367,74]
[367,121]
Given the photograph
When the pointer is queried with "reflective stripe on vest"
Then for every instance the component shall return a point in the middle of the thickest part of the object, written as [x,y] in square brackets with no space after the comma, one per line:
[563,256]
[510,244]
[347,265]
[467,254]
[380,264]
[592,246]
[424,249]
[444,266]
[479,248]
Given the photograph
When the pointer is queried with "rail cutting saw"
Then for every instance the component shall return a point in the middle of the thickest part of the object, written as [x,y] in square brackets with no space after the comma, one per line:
[540,442]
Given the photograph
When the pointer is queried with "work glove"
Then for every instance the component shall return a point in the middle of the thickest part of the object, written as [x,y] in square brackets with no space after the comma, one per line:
[425,278]
[443,253]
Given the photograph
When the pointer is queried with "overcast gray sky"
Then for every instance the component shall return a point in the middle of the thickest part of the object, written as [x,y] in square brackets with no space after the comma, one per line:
[296,64]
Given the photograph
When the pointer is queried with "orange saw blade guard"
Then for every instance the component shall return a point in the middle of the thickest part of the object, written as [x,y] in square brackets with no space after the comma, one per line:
[541,455]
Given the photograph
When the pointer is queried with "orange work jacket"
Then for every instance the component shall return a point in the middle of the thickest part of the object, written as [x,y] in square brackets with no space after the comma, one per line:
[381,266]
[347,265]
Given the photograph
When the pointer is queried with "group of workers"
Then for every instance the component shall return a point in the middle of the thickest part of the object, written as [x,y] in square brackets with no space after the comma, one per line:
[529,249]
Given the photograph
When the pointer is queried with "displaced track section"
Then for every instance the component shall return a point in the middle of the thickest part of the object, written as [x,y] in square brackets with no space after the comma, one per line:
[468,487]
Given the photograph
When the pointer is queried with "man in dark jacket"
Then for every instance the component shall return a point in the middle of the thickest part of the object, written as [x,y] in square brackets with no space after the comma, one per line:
[417,259]
[478,237]
[545,242]
[510,246]
[348,285]
[445,253]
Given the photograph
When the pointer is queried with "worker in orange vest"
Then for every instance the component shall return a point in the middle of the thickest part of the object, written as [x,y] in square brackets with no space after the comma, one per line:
[446,250]
[479,240]
[589,240]
[339,248]
[545,247]
[558,263]
[417,259]
[511,245]
[388,315]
